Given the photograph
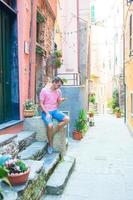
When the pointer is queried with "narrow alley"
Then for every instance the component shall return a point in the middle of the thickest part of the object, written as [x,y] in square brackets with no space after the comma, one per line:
[104,163]
[66,73]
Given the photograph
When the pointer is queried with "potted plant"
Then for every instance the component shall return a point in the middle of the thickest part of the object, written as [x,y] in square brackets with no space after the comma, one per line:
[92,98]
[57,63]
[80,125]
[56,58]
[118,112]
[58,53]
[18,171]
[3,177]
[91,113]
[29,108]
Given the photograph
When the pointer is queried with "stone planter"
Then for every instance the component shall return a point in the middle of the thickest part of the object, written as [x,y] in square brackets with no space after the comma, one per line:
[18,179]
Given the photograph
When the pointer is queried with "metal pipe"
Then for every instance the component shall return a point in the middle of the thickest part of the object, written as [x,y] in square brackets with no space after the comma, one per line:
[78,38]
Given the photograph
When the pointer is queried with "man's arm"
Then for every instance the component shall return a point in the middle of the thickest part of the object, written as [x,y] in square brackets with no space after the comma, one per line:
[60,100]
[44,109]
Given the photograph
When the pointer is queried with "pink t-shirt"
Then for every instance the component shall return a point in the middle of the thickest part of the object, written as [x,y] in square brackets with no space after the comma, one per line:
[50,98]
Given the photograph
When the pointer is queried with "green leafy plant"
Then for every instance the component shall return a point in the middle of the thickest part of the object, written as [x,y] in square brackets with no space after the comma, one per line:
[29,105]
[115,99]
[58,53]
[92,98]
[3,177]
[81,122]
[56,58]
[118,109]
[16,166]
[57,63]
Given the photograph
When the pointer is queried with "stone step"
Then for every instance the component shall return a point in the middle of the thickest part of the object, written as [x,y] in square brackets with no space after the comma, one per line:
[35,151]
[25,138]
[49,163]
[59,178]
[8,145]
[13,143]
[6,139]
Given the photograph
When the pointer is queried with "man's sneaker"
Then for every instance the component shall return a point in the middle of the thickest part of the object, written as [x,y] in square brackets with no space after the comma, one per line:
[50,150]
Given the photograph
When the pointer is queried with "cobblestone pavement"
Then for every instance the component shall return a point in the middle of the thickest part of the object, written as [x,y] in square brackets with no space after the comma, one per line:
[104,166]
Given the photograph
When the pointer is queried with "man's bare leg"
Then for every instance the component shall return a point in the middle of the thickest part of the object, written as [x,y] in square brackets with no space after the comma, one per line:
[50,134]
[61,125]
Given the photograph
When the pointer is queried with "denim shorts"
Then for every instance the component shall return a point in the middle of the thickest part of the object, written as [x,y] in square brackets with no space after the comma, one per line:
[56,114]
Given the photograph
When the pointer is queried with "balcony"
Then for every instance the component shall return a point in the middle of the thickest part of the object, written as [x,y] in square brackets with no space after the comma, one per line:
[71,79]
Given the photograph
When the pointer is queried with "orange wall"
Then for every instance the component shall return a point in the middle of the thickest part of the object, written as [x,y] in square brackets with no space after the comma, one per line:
[53,5]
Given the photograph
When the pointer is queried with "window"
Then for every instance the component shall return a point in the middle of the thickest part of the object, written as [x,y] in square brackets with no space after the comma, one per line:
[132,104]
[40,21]
[130,36]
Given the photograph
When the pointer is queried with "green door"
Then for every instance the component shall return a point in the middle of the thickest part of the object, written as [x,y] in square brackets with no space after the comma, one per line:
[5,68]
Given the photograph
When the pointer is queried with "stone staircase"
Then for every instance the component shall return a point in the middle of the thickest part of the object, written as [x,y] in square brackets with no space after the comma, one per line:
[45,170]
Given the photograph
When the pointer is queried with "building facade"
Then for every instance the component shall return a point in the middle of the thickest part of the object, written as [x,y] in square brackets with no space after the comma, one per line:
[26,39]
[75,68]
[128,60]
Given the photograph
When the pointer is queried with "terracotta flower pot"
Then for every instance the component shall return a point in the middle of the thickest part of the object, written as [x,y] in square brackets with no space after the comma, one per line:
[18,179]
[91,114]
[29,113]
[118,114]
[77,135]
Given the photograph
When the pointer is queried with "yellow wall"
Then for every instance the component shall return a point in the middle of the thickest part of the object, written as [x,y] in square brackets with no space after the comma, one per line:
[129,86]
[128,10]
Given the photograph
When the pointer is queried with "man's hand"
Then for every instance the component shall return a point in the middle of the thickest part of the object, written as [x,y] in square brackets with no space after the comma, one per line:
[63,99]
[48,115]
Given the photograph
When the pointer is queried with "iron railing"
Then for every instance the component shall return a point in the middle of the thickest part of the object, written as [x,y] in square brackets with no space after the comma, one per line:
[72,79]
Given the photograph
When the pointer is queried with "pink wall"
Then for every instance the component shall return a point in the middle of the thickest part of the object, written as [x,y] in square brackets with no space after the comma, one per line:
[24,13]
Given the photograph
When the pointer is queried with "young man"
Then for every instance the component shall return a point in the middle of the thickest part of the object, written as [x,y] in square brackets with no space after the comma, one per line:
[50,98]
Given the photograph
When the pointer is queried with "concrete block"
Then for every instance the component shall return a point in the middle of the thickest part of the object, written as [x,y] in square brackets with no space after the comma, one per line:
[36,124]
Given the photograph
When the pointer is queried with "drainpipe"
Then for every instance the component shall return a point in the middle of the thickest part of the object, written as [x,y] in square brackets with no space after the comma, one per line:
[30,50]
[78,39]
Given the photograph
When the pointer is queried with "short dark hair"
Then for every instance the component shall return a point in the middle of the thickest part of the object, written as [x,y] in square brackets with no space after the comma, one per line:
[57,79]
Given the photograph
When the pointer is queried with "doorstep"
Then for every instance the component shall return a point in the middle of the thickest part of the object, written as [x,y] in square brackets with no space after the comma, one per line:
[12,126]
